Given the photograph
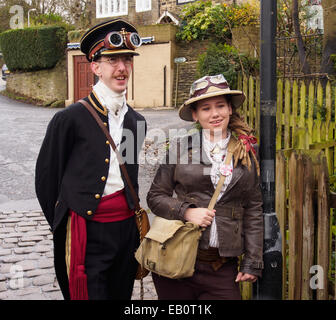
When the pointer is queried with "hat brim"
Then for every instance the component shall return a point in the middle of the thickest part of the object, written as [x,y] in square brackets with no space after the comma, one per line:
[237,99]
[121,51]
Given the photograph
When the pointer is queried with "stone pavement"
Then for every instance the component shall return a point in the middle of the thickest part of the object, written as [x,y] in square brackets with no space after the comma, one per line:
[26,260]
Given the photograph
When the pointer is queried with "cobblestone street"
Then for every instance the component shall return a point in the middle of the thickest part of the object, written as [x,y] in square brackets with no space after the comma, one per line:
[26,260]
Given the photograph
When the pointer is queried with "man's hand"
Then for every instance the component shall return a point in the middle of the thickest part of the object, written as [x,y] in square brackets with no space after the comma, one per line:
[200,216]
[246,277]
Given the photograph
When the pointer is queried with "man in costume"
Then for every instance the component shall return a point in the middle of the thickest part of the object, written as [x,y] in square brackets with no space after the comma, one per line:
[81,190]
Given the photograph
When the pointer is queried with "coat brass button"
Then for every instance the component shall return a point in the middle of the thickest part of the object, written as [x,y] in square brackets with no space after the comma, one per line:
[107,160]
[107,142]
[105,124]
[97,196]
[103,178]
[89,213]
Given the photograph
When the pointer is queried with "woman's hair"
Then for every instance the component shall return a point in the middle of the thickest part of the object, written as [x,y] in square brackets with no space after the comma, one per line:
[240,128]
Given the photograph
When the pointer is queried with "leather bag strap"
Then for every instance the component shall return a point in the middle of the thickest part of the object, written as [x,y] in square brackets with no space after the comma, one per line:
[221,181]
[121,164]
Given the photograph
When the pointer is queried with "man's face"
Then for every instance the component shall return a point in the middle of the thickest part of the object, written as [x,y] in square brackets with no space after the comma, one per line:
[114,70]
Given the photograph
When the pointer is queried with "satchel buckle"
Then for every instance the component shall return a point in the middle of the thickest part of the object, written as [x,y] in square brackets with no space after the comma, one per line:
[151,265]
[139,212]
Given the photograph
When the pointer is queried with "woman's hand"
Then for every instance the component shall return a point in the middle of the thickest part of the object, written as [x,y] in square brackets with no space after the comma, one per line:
[200,216]
[246,277]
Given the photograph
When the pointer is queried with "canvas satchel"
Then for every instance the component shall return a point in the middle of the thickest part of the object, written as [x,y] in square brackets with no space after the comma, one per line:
[170,247]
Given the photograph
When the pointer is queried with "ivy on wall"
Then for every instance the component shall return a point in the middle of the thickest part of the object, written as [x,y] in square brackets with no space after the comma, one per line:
[203,20]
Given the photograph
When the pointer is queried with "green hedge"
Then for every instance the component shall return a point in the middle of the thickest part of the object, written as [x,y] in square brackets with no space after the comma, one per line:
[34,48]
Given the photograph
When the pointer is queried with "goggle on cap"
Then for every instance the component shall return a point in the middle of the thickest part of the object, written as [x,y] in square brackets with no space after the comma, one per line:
[115,36]
[207,87]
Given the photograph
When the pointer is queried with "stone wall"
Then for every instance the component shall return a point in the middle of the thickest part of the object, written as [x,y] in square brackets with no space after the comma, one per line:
[187,71]
[247,40]
[44,87]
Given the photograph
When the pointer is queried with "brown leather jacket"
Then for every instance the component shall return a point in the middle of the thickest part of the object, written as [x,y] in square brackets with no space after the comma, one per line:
[239,215]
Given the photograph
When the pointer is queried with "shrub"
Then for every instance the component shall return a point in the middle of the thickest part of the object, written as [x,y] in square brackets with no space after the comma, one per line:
[32,49]
[225,59]
[51,19]
[203,20]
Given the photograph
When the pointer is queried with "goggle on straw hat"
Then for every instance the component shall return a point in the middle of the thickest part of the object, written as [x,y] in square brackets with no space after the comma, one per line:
[207,87]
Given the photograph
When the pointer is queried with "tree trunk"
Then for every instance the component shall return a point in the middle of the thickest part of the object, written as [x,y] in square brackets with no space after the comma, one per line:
[329,37]
[299,41]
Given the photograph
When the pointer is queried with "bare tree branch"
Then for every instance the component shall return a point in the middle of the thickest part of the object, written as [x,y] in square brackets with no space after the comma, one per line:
[299,40]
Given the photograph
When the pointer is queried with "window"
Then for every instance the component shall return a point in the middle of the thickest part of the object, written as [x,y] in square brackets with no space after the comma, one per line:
[183,1]
[143,5]
[111,8]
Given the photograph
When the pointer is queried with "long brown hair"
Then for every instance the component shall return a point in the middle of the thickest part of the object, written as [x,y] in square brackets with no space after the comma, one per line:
[242,129]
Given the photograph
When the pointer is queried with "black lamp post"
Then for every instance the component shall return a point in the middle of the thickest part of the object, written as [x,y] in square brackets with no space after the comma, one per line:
[270,285]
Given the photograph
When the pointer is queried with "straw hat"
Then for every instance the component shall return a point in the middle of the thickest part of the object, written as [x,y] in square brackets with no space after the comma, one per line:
[207,87]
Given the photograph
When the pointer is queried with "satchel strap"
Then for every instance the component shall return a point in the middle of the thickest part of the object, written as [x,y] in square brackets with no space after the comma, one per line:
[221,181]
[121,164]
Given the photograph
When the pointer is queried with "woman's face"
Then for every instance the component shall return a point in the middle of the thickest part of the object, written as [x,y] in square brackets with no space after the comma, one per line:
[213,114]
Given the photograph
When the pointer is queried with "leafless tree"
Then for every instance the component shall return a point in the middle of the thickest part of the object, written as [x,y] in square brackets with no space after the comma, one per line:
[329,36]
[299,40]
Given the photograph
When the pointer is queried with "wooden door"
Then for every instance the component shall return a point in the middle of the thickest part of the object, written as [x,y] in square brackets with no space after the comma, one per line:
[84,77]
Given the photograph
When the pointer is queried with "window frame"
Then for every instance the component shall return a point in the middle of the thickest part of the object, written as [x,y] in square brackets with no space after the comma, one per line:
[139,5]
[109,13]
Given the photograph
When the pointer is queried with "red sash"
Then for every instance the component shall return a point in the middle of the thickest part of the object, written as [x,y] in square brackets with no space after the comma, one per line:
[111,208]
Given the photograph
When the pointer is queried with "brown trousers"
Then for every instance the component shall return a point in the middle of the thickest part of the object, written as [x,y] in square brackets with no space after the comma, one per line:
[205,284]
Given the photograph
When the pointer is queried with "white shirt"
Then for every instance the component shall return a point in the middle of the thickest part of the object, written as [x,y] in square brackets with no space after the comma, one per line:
[217,158]
[116,106]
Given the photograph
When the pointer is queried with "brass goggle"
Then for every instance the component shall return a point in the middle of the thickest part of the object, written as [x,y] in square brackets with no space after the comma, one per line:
[115,39]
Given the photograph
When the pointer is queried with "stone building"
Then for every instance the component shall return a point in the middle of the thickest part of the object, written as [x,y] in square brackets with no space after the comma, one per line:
[143,12]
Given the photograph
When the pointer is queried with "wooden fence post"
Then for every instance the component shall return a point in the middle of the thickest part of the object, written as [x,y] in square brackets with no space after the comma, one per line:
[308,228]
[311,103]
[281,211]
[323,225]
[287,139]
[294,121]
[279,115]
[295,169]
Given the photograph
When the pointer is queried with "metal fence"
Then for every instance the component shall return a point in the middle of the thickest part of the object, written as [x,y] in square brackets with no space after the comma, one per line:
[288,61]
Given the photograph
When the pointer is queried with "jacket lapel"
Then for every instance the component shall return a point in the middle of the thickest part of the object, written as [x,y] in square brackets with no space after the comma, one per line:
[96,104]
[196,148]
[236,175]
[237,172]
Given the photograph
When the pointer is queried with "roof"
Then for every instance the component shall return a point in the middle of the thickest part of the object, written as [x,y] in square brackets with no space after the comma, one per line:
[168,17]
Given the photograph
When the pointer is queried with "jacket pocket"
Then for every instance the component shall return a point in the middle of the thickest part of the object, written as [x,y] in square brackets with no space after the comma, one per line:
[230,230]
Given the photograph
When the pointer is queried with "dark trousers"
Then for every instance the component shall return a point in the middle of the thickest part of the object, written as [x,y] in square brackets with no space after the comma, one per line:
[205,284]
[109,262]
